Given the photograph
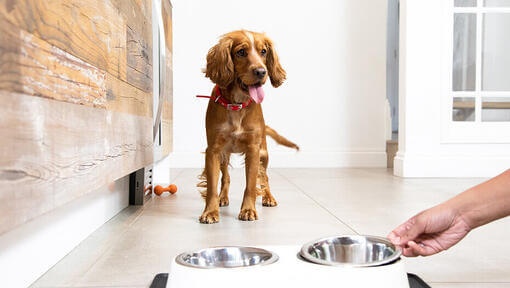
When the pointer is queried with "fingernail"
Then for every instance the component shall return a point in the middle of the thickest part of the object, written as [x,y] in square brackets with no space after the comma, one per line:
[397,240]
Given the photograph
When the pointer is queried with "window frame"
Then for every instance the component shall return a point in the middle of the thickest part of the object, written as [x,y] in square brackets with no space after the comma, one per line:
[475,131]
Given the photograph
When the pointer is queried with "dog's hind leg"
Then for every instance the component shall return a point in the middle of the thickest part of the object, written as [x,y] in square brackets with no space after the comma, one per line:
[263,181]
[225,179]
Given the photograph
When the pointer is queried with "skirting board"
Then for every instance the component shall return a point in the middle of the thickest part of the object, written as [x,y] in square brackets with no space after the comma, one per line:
[423,166]
[290,160]
[28,251]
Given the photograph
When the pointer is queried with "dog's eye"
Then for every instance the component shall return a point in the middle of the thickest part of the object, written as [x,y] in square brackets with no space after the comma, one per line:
[263,52]
[241,53]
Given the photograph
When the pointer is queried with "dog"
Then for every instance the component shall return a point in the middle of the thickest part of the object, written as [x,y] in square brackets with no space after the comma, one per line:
[239,64]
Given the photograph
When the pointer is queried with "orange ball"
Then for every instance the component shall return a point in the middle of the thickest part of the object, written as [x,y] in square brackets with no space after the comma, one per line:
[172,189]
[158,190]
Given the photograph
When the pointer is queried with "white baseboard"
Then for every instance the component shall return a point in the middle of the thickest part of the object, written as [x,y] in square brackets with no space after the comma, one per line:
[31,249]
[423,166]
[291,159]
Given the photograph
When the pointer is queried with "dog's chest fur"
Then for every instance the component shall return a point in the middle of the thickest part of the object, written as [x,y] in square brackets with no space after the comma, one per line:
[236,133]
[235,129]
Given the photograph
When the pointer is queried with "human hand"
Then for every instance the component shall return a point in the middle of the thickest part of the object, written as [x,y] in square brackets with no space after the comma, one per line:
[430,231]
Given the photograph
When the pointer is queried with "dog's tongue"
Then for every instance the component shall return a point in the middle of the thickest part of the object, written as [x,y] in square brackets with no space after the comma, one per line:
[256,93]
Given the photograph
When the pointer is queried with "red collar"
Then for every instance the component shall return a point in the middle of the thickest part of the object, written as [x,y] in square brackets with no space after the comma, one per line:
[224,102]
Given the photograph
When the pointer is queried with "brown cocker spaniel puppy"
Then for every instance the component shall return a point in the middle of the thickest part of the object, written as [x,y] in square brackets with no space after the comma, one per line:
[239,65]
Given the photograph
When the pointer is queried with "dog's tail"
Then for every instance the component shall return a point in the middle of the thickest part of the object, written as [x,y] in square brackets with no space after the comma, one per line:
[280,139]
[202,185]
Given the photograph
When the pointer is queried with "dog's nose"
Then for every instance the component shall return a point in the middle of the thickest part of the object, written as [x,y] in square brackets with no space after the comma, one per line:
[259,72]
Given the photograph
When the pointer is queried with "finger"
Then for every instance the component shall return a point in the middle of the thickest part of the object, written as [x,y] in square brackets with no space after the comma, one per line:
[397,233]
[413,230]
[409,252]
[406,232]
[421,249]
[394,238]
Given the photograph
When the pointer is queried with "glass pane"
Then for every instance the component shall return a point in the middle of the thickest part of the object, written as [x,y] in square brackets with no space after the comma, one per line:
[465,3]
[497,3]
[463,109]
[496,52]
[464,52]
[496,109]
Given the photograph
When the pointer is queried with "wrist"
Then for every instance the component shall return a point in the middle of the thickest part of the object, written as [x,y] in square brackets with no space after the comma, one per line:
[464,210]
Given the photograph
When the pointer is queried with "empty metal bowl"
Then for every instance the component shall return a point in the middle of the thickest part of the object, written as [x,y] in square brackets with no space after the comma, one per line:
[227,257]
[353,251]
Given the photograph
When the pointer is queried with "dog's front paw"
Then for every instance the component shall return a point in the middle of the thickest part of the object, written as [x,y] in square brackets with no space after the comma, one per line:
[268,201]
[248,215]
[224,201]
[210,217]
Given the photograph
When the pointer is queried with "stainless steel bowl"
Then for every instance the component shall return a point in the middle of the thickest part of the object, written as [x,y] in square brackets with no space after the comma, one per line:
[227,257]
[353,251]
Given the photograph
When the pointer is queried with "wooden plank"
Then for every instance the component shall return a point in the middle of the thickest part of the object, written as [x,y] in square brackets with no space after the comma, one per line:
[32,66]
[167,127]
[93,31]
[53,152]
[167,111]
[138,18]
[122,97]
[485,105]
[496,105]
[138,15]
[464,105]
[139,61]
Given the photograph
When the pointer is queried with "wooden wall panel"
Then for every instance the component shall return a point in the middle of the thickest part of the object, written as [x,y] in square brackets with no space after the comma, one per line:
[123,97]
[54,152]
[94,31]
[139,61]
[35,67]
[138,42]
[167,111]
[76,109]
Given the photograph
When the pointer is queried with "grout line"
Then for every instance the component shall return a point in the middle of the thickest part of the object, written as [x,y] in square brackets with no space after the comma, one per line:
[315,201]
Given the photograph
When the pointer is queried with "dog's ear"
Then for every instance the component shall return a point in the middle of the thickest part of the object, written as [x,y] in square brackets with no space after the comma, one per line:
[220,68]
[274,68]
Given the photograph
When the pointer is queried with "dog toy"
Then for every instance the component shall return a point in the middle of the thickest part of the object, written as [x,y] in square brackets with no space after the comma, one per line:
[158,190]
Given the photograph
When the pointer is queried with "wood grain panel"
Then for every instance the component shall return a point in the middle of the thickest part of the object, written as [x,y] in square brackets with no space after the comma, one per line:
[32,66]
[55,152]
[94,31]
[123,97]
[139,61]
[167,127]
[55,54]
[138,16]
[138,42]
[167,111]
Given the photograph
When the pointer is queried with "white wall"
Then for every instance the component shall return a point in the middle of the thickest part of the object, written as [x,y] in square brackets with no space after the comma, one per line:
[28,251]
[332,104]
[422,153]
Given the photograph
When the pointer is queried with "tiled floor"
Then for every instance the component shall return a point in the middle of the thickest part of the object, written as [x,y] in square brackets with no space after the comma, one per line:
[140,242]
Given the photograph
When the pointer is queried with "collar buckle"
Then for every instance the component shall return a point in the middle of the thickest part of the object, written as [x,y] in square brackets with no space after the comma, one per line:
[234,107]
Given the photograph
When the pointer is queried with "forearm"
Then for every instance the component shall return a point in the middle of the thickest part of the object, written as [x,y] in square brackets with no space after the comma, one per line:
[484,203]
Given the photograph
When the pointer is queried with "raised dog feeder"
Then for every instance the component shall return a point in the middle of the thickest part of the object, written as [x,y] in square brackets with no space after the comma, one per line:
[340,261]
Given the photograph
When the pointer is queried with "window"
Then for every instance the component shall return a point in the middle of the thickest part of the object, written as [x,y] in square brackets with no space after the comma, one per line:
[478,52]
